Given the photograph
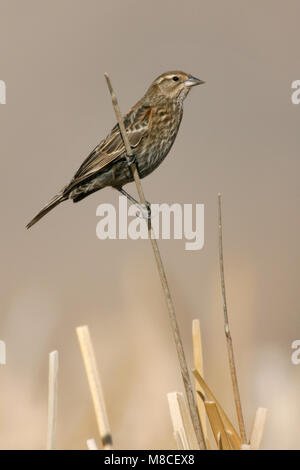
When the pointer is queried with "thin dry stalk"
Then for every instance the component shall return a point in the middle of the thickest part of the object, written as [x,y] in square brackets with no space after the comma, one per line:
[181,420]
[91,369]
[176,333]
[232,366]
[258,428]
[198,364]
[52,399]
[91,444]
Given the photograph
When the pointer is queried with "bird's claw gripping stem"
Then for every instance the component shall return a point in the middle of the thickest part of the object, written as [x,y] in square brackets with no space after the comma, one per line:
[131,159]
[145,210]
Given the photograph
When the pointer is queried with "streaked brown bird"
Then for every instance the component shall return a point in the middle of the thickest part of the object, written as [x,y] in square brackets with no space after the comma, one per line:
[151,125]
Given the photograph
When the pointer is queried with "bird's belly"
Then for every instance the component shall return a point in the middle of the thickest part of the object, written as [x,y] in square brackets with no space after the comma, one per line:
[156,152]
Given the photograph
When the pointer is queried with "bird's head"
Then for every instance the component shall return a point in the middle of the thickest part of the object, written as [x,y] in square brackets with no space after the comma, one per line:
[173,85]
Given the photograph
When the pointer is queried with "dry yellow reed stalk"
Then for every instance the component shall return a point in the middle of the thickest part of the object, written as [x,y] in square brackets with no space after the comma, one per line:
[178,440]
[211,397]
[91,444]
[217,425]
[258,428]
[52,399]
[181,420]
[96,390]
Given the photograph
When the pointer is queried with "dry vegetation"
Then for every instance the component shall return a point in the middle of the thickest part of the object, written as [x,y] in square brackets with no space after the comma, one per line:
[223,435]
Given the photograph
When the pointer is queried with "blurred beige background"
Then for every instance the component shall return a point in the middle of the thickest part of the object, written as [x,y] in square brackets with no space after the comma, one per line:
[239,136]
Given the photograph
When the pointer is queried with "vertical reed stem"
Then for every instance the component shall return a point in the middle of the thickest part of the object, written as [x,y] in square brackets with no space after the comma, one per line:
[234,380]
[52,399]
[90,364]
[176,333]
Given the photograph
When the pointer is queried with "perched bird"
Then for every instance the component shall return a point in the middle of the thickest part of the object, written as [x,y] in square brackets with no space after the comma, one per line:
[151,125]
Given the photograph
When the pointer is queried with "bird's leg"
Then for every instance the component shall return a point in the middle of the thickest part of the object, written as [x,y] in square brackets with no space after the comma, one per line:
[129,197]
[136,203]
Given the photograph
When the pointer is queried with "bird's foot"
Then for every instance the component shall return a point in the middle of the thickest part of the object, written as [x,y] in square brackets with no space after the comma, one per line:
[145,210]
[131,159]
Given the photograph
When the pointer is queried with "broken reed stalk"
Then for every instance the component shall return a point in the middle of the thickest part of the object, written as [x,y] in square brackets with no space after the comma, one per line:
[232,366]
[91,444]
[176,333]
[52,399]
[258,428]
[217,425]
[91,369]
[209,396]
[181,420]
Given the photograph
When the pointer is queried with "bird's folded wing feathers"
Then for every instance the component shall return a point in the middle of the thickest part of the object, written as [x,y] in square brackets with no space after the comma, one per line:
[137,123]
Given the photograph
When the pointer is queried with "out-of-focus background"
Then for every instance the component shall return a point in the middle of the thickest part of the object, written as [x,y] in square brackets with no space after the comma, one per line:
[239,136]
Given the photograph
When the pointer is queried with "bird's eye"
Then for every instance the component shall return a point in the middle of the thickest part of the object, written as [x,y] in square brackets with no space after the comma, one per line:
[175,79]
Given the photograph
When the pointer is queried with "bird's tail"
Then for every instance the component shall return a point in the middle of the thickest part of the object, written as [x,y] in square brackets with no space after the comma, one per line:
[53,203]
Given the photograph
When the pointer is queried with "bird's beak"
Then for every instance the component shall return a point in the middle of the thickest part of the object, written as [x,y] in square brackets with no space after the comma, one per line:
[193,81]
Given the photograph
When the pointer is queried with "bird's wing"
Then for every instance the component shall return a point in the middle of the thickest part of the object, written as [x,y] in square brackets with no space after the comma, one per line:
[137,123]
